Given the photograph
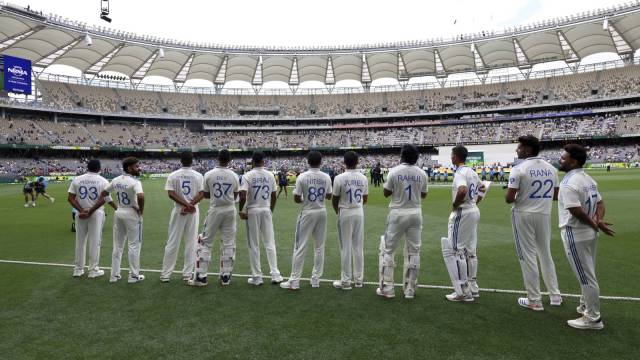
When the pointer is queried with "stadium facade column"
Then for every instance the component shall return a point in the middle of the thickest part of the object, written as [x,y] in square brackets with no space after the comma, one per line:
[4,115]
[101,120]
[55,118]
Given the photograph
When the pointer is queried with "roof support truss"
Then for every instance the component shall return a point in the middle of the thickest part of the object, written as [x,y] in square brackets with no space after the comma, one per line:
[294,80]
[329,78]
[221,76]
[521,57]
[142,70]
[478,61]
[181,77]
[365,76]
[10,41]
[98,66]
[50,58]
[570,55]
[257,73]
[403,75]
[441,72]
[622,45]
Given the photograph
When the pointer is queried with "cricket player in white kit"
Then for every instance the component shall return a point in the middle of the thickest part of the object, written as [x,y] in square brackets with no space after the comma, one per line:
[221,186]
[350,193]
[312,188]
[533,186]
[459,247]
[257,202]
[581,216]
[185,187]
[407,186]
[84,195]
[127,220]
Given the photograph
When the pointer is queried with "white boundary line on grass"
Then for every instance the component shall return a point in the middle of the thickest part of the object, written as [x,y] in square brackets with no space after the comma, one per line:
[499,291]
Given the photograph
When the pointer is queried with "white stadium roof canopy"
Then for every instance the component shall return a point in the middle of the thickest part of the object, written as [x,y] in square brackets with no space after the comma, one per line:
[49,40]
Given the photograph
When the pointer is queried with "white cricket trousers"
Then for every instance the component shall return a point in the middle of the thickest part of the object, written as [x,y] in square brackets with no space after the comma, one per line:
[221,220]
[260,227]
[88,230]
[463,236]
[310,223]
[181,226]
[532,234]
[127,225]
[351,237]
[580,246]
[407,223]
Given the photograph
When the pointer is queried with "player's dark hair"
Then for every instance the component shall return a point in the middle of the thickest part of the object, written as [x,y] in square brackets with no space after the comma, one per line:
[531,142]
[224,156]
[461,152]
[128,161]
[257,158]
[314,158]
[409,154]
[351,159]
[93,165]
[577,153]
[186,158]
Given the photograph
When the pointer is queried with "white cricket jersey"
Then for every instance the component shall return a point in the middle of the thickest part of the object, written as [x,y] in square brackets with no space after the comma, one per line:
[313,186]
[577,189]
[259,184]
[350,186]
[221,183]
[535,179]
[406,183]
[186,183]
[126,188]
[88,188]
[465,176]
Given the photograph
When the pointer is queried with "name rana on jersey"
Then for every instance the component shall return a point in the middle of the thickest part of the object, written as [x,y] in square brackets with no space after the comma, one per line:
[540,173]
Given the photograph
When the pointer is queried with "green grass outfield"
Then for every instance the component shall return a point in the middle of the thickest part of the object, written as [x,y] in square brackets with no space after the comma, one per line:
[45,313]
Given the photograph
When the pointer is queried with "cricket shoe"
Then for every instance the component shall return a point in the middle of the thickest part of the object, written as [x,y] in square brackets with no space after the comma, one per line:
[555,300]
[255,281]
[290,285]
[277,279]
[467,297]
[78,273]
[342,285]
[26,205]
[225,279]
[409,293]
[52,200]
[114,279]
[198,281]
[359,283]
[135,279]
[388,294]
[165,279]
[584,323]
[315,282]
[475,290]
[531,305]
[95,273]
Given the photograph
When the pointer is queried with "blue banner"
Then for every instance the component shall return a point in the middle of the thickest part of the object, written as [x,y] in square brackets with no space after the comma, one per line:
[17,75]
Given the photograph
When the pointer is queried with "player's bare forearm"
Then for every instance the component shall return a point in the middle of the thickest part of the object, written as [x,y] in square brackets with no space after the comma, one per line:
[274,199]
[297,199]
[334,202]
[207,195]
[604,226]
[140,204]
[198,198]
[113,205]
[600,210]
[579,213]
[72,200]
[97,205]
[365,199]
[173,196]
[460,195]
[423,195]
[510,196]
[387,193]
[242,201]
[556,191]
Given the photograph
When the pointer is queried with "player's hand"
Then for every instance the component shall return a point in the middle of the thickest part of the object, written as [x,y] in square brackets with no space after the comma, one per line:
[605,227]
[243,216]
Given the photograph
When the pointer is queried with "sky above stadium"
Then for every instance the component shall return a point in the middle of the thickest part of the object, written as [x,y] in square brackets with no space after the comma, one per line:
[304,22]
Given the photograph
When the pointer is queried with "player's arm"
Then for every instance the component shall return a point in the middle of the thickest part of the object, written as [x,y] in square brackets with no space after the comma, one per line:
[274,198]
[335,200]
[198,198]
[113,205]
[579,213]
[297,191]
[460,195]
[556,191]
[174,196]
[510,197]
[140,209]
[74,202]
[603,225]
[242,202]
[514,186]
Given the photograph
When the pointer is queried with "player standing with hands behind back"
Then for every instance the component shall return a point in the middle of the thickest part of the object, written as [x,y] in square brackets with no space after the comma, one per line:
[127,220]
[257,202]
[581,213]
[312,188]
[407,186]
[185,187]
